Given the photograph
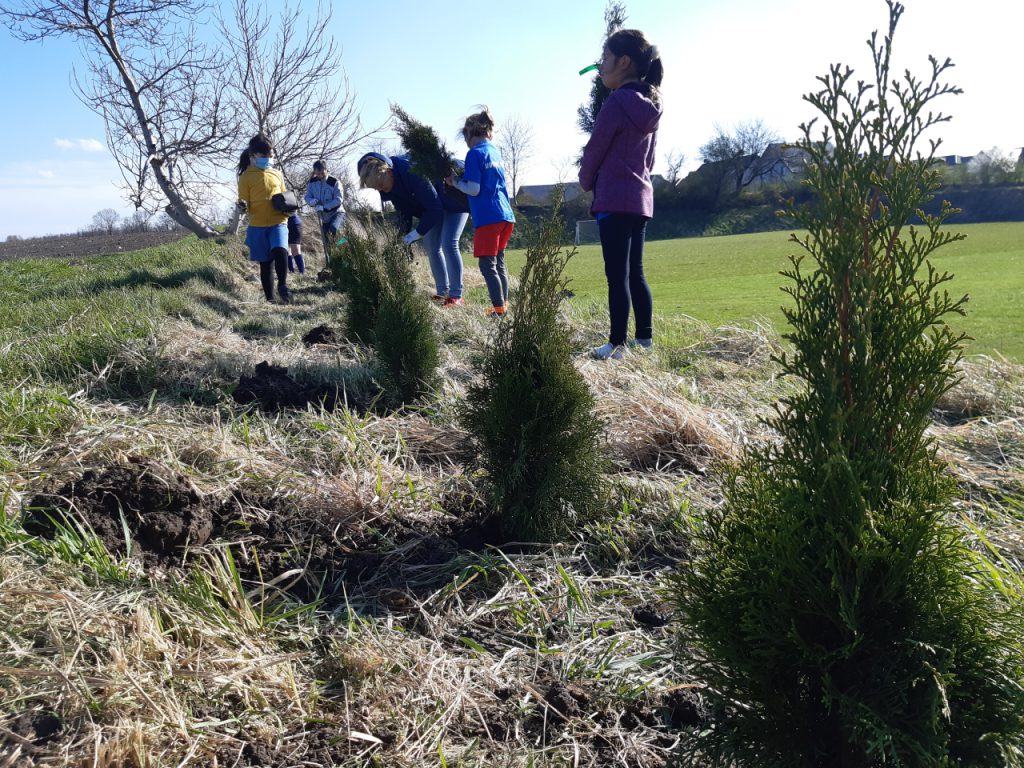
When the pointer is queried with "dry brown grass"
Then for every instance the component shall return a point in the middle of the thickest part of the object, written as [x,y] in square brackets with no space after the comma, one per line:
[489,657]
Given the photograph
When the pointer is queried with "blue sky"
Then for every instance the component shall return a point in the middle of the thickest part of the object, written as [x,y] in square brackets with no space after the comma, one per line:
[726,61]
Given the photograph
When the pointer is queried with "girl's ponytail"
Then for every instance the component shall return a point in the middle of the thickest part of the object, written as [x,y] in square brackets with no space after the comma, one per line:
[259,143]
[645,57]
[480,124]
[655,69]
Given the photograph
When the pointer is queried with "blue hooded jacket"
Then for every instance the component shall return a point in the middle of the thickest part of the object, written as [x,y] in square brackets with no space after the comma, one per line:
[413,196]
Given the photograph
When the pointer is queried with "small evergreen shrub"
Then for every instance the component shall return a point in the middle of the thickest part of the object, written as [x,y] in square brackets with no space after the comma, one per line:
[428,155]
[531,417]
[386,310]
[833,607]
[356,269]
[404,337]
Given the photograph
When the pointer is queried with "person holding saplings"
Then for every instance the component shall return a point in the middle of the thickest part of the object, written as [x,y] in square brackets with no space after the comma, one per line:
[267,233]
[414,198]
[616,166]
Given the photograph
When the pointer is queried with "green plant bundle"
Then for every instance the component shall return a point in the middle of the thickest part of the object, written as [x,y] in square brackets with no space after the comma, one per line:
[837,613]
[428,155]
[532,415]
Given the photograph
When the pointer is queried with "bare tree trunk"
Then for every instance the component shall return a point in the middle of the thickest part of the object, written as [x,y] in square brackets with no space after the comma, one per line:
[160,93]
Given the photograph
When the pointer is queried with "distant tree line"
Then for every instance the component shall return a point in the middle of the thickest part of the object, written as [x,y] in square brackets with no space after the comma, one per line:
[108,221]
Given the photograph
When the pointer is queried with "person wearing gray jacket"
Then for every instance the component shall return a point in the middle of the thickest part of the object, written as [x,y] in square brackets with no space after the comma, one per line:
[323,193]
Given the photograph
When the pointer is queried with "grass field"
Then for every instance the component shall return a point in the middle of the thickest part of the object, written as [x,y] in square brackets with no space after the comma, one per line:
[725,280]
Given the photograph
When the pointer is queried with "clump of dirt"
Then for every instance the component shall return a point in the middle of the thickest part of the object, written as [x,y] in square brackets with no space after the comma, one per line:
[323,334]
[308,549]
[39,726]
[275,535]
[272,389]
[161,510]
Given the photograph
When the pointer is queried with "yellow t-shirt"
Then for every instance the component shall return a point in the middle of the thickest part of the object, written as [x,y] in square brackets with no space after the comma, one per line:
[255,188]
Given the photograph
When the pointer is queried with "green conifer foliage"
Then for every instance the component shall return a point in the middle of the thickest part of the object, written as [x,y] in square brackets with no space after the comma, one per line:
[406,344]
[428,155]
[386,310]
[531,416]
[835,608]
[357,269]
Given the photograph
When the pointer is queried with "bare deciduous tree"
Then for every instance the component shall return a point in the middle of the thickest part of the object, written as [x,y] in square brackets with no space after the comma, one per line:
[160,92]
[515,140]
[291,87]
[992,166]
[674,162]
[732,156]
[105,220]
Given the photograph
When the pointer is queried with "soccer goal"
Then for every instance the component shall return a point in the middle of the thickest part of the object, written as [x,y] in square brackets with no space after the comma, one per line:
[587,232]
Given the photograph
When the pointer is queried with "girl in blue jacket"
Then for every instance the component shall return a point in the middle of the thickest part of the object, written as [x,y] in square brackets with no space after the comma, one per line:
[484,181]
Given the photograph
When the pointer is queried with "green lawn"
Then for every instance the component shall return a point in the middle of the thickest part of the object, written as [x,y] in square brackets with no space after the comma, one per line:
[732,279]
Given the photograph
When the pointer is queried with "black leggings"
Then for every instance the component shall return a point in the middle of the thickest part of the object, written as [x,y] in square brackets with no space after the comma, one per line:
[622,244]
[278,263]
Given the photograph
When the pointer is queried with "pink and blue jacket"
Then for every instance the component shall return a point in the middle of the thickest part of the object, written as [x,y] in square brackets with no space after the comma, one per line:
[618,159]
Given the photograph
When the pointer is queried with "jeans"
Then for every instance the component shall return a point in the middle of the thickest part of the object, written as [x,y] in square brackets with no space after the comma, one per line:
[496,277]
[622,244]
[331,222]
[442,247]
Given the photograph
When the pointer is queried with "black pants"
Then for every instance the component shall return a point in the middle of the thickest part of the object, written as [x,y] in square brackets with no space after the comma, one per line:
[279,264]
[622,244]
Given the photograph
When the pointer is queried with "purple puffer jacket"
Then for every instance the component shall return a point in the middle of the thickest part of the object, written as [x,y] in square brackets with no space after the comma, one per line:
[618,159]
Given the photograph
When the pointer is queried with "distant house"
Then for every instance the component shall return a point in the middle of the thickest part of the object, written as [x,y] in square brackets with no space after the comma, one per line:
[954,160]
[540,195]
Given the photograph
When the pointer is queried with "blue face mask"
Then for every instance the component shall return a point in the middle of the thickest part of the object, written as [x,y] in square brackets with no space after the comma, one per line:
[262,162]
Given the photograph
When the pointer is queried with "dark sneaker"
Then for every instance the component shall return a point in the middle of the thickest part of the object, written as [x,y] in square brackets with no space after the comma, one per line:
[284,294]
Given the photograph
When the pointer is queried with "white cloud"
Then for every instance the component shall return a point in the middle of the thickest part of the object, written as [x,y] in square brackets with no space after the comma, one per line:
[47,174]
[86,145]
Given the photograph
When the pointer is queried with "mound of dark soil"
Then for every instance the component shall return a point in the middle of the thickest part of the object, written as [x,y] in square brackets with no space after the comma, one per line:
[38,726]
[306,548]
[272,389]
[323,334]
[162,511]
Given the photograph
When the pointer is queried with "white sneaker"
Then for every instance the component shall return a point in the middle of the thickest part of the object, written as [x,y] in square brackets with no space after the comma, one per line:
[609,352]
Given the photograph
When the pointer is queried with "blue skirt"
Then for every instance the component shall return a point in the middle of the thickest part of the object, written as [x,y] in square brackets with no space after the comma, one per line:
[261,240]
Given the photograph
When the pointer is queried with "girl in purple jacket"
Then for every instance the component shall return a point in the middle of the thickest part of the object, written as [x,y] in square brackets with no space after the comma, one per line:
[616,166]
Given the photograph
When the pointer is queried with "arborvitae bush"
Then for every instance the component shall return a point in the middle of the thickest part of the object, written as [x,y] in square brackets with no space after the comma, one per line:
[386,310]
[404,337]
[531,417]
[834,608]
[357,269]
[428,155]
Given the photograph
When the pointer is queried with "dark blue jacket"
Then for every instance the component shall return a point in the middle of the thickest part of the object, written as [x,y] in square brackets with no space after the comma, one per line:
[453,200]
[413,196]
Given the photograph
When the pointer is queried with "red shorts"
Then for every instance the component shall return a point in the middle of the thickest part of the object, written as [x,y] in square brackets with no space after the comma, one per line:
[491,239]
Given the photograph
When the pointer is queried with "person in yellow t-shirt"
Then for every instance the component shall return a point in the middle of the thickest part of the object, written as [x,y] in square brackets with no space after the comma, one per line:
[267,233]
